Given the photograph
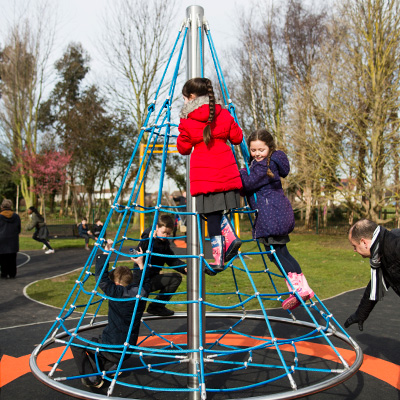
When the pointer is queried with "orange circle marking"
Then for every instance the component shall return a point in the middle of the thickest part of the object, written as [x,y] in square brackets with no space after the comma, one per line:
[12,368]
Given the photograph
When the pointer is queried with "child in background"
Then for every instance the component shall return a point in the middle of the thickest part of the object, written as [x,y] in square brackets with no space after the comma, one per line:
[205,127]
[85,232]
[274,218]
[118,284]
[98,226]
[41,233]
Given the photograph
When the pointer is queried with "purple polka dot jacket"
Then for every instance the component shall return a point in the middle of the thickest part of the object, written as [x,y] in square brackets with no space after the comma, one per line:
[274,216]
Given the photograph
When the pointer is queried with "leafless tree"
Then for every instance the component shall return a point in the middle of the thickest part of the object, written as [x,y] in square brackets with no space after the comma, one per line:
[259,87]
[23,66]
[136,45]
[368,101]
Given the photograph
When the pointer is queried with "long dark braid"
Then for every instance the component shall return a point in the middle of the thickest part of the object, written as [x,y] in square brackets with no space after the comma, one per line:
[265,136]
[202,87]
[211,97]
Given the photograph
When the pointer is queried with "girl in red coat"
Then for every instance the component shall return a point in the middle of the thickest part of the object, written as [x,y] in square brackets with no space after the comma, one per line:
[215,181]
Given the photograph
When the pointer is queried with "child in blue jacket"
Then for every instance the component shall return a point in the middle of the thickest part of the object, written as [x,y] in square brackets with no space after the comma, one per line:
[117,284]
[274,218]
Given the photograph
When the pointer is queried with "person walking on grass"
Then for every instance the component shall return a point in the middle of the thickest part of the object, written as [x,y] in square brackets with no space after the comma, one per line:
[205,127]
[41,233]
[382,247]
[274,217]
[10,228]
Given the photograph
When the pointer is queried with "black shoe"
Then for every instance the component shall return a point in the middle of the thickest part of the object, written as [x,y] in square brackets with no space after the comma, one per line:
[92,382]
[113,367]
[161,311]
[217,268]
[209,272]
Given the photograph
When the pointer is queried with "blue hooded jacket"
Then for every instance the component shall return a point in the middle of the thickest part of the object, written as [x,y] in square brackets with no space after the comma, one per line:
[274,215]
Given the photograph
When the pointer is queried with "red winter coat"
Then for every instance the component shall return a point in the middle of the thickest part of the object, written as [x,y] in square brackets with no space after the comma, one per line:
[213,168]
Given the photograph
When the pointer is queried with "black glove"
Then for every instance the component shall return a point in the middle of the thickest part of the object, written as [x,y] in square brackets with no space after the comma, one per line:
[352,320]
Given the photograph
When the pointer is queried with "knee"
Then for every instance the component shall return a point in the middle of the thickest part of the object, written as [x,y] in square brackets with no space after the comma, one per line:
[175,281]
[177,278]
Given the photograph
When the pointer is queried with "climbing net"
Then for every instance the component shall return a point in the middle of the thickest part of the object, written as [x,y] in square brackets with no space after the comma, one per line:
[245,346]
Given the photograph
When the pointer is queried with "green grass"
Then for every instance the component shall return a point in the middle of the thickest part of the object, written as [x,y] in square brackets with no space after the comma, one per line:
[27,243]
[328,262]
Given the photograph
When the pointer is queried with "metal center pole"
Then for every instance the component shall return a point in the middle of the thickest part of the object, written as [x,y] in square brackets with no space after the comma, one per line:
[195,14]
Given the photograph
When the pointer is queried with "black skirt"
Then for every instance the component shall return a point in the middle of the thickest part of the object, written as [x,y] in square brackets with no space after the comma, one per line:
[207,203]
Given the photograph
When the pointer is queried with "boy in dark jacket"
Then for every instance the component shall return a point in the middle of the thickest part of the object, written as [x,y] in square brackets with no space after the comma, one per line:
[382,247]
[85,232]
[10,228]
[165,282]
[97,228]
[117,284]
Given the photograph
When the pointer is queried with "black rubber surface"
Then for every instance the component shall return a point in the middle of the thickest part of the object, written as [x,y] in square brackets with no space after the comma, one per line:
[24,323]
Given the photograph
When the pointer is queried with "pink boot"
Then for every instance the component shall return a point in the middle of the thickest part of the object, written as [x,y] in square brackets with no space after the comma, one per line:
[217,244]
[232,241]
[292,301]
[304,286]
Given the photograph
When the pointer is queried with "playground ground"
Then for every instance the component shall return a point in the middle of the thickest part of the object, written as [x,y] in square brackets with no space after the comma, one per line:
[24,323]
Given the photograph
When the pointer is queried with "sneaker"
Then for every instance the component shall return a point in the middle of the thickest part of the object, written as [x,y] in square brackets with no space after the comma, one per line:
[92,382]
[50,251]
[44,247]
[113,368]
[209,272]
[161,311]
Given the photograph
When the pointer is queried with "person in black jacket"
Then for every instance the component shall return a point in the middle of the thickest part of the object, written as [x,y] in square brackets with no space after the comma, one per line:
[41,233]
[85,232]
[382,247]
[116,284]
[97,228]
[166,283]
[10,228]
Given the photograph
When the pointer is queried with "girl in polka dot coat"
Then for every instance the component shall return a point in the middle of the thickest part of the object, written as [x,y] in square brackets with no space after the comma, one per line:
[274,218]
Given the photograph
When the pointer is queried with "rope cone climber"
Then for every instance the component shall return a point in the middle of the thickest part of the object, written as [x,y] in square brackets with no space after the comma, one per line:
[219,348]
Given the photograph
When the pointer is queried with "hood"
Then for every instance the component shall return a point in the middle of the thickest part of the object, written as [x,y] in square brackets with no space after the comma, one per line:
[202,113]
[8,215]
[281,160]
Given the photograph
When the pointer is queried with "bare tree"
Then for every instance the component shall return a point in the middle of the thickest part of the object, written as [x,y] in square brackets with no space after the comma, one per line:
[136,44]
[305,35]
[23,66]
[368,101]
[259,88]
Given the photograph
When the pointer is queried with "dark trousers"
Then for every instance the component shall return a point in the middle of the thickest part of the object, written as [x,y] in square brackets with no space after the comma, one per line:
[214,223]
[8,265]
[289,263]
[85,358]
[44,241]
[165,283]
[86,237]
